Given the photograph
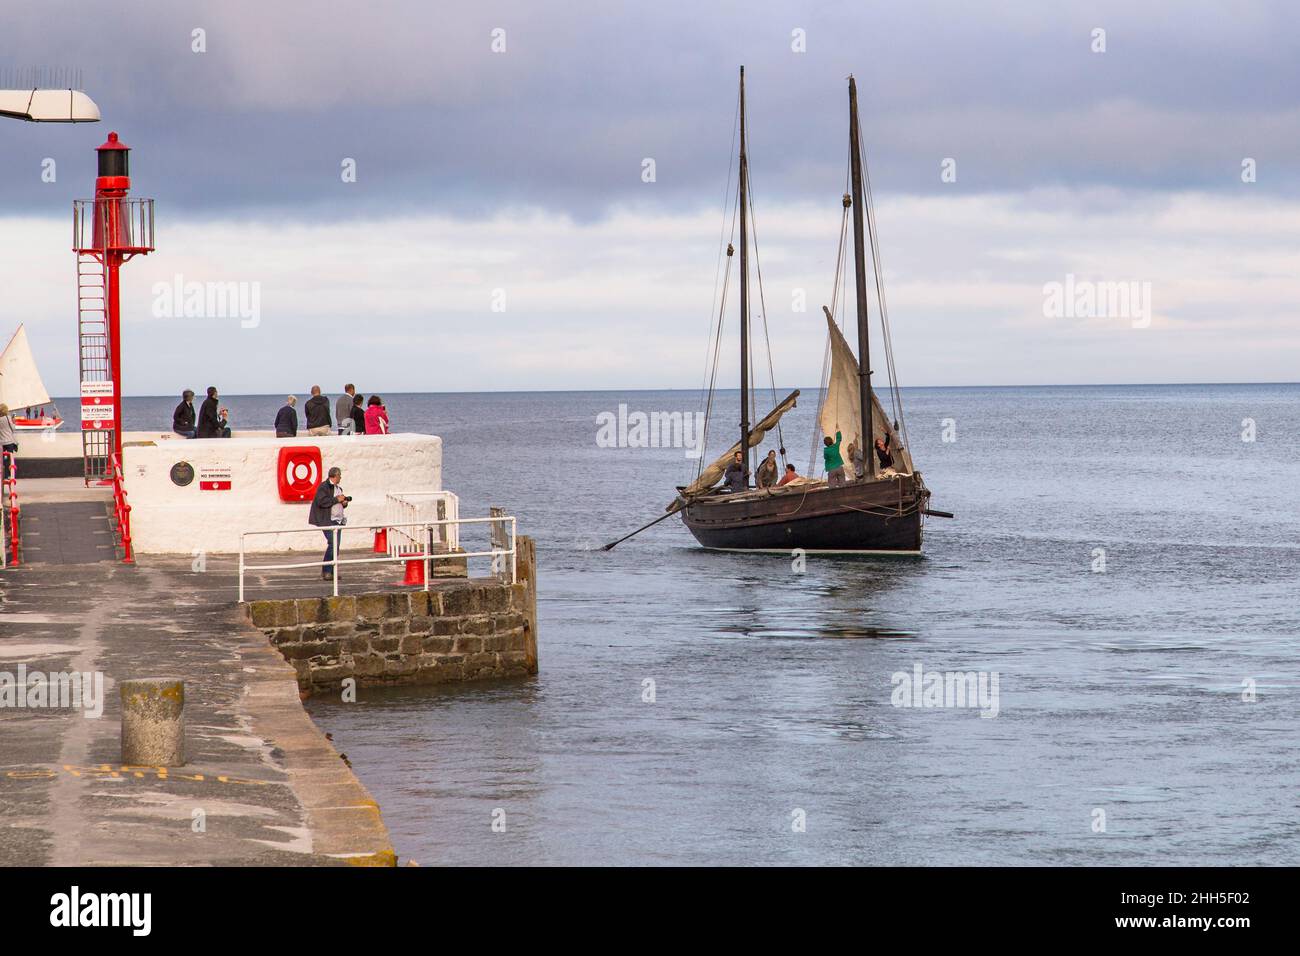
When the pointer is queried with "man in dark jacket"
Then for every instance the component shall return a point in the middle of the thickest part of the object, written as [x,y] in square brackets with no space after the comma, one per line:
[327,513]
[733,479]
[317,411]
[183,417]
[210,424]
[286,419]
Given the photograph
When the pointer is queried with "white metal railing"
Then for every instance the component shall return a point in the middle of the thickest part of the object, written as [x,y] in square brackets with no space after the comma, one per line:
[496,524]
[416,507]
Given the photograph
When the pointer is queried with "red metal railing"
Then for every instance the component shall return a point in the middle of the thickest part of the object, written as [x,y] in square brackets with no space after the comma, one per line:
[9,482]
[121,510]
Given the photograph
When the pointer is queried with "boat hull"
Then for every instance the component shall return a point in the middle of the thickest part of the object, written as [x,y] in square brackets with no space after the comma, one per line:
[36,424]
[881,515]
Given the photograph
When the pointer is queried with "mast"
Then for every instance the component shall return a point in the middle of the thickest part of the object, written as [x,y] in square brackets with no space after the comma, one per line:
[868,448]
[744,286]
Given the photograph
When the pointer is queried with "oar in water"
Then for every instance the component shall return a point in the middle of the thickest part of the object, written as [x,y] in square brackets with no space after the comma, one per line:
[610,546]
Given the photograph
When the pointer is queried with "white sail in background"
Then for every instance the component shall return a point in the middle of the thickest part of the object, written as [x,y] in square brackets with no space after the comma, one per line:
[841,406]
[20,382]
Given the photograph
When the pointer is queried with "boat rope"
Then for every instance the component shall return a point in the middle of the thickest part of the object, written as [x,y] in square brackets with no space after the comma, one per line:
[767,340]
[837,287]
[895,395]
[715,337]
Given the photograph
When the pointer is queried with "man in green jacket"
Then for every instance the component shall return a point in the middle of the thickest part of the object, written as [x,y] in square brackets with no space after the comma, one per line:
[834,463]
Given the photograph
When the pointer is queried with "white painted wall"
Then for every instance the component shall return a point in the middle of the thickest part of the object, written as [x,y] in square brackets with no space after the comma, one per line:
[169,519]
[66,442]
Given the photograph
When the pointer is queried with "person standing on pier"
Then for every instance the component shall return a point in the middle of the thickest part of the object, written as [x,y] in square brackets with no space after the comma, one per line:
[317,411]
[286,419]
[183,416]
[358,415]
[8,439]
[327,513]
[343,410]
[376,417]
[210,423]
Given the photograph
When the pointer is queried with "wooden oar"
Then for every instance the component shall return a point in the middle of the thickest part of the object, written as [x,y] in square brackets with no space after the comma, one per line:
[610,546]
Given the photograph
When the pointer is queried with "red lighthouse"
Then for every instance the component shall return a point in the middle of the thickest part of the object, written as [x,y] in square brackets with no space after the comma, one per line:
[106,232]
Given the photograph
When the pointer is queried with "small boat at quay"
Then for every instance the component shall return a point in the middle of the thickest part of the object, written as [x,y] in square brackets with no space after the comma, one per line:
[21,387]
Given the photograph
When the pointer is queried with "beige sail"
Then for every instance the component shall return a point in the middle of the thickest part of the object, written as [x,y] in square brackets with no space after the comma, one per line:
[713,473]
[841,406]
[20,382]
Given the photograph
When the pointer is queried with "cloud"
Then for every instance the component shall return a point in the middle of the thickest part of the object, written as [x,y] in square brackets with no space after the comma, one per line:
[406,304]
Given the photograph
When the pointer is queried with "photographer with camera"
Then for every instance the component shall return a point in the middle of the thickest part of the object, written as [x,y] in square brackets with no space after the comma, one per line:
[327,513]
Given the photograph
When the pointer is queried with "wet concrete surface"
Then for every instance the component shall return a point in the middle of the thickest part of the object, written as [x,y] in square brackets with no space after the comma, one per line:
[262,785]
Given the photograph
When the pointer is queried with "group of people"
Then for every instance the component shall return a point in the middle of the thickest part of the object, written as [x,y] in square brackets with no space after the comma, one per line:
[837,472]
[352,415]
[211,421]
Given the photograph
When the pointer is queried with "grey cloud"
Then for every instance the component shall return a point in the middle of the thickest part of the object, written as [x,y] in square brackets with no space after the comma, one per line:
[260,123]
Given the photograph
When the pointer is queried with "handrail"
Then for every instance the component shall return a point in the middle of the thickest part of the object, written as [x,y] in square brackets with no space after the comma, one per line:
[426,556]
[121,510]
[9,485]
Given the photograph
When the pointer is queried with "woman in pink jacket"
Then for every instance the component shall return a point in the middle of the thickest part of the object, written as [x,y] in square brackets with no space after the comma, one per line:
[376,416]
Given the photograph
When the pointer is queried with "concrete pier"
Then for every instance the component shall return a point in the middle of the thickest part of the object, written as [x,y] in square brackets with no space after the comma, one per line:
[261,783]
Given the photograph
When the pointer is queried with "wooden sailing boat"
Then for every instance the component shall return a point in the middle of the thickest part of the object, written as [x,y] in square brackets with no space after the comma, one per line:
[21,387]
[881,511]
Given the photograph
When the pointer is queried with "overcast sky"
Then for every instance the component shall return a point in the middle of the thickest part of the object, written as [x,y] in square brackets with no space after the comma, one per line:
[516,178]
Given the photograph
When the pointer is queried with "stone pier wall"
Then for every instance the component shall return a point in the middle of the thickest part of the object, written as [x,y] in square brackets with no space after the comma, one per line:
[457,631]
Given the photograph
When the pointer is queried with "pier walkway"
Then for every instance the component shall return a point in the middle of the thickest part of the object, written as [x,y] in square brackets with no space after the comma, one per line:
[262,784]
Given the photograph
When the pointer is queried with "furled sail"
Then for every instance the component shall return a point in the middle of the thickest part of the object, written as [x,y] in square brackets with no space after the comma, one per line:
[711,475]
[20,382]
[841,406]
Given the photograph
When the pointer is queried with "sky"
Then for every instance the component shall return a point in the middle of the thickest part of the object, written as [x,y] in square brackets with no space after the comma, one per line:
[500,231]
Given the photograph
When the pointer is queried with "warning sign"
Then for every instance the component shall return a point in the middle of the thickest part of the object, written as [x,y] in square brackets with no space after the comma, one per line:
[96,405]
[214,479]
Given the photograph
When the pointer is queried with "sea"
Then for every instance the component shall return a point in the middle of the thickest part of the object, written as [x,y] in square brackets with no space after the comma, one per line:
[1119,591]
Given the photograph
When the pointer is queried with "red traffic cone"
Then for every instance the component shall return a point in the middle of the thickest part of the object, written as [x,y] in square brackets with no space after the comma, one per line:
[414,571]
[381,541]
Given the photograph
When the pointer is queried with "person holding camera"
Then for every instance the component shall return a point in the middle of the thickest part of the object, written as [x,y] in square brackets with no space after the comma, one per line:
[327,513]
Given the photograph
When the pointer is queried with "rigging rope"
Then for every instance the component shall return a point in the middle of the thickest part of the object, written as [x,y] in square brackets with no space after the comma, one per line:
[715,338]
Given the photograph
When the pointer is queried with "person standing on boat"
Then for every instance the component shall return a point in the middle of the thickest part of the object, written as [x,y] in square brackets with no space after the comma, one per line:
[317,411]
[327,513]
[882,452]
[343,410]
[733,479]
[8,439]
[766,476]
[857,461]
[183,416]
[210,424]
[286,419]
[833,460]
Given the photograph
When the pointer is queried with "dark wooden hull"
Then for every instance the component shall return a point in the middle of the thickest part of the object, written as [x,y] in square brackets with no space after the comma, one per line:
[883,514]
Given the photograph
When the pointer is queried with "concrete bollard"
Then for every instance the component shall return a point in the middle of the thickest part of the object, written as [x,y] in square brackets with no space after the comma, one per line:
[153,722]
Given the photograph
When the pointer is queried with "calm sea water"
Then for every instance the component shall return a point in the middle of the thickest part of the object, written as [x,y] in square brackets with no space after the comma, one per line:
[1120,691]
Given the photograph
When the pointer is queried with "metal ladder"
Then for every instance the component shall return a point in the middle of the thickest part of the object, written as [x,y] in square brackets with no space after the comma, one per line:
[95,358]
